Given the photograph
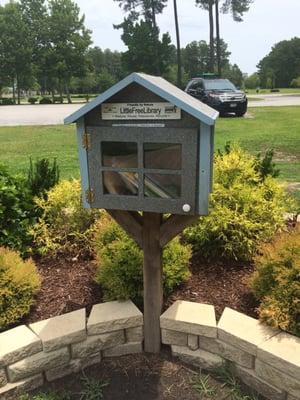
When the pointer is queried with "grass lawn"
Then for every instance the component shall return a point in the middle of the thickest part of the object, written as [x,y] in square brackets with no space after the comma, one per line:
[21,142]
[268,91]
[267,127]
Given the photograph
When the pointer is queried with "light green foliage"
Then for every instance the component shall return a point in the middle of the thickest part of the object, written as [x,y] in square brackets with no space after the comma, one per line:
[252,81]
[296,83]
[19,282]
[120,270]
[64,225]
[202,386]
[92,389]
[276,282]
[244,211]
[225,375]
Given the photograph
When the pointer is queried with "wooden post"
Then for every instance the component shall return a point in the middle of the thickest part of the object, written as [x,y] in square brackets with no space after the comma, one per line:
[153,289]
[152,234]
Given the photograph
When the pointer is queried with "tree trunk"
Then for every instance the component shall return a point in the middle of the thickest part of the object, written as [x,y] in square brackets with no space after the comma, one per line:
[211,38]
[179,68]
[155,31]
[60,90]
[68,94]
[14,90]
[18,91]
[218,38]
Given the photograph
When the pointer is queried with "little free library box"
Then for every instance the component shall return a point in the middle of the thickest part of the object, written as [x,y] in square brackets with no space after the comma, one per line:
[146,145]
[146,149]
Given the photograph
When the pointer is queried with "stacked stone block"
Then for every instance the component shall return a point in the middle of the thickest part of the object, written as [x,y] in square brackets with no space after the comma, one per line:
[56,347]
[263,358]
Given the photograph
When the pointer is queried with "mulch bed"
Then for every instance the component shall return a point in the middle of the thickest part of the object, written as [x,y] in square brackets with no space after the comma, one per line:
[68,285]
[220,284]
[138,377]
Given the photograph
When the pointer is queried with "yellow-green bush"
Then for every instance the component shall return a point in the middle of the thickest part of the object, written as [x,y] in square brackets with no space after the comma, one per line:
[64,225]
[244,209]
[120,263]
[276,282]
[19,282]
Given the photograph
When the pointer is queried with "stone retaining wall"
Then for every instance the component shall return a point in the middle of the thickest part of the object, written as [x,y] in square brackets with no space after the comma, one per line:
[265,359]
[59,346]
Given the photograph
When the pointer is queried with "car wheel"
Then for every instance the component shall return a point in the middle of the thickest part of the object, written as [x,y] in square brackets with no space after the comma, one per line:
[240,113]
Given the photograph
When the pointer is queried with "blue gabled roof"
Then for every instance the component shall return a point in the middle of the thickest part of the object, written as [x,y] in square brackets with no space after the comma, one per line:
[159,86]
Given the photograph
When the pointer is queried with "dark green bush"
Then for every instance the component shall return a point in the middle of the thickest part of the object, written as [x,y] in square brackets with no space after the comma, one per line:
[19,282]
[32,100]
[42,176]
[120,270]
[17,213]
[276,282]
[58,99]
[45,100]
[244,209]
[265,165]
[7,102]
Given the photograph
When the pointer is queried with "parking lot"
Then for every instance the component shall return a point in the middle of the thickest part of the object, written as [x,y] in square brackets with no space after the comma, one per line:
[54,114]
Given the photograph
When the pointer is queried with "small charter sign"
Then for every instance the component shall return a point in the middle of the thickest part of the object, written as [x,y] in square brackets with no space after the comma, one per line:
[113,111]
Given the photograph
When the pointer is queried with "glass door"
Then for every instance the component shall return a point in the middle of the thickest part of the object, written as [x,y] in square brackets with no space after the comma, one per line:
[143,169]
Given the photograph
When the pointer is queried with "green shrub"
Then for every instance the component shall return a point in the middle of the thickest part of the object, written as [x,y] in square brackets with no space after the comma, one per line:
[265,166]
[7,102]
[42,176]
[45,100]
[58,99]
[32,100]
[17,213]
[276,282]
[295,82]
[120,270]
[19,282]
[65,226]
[244,209]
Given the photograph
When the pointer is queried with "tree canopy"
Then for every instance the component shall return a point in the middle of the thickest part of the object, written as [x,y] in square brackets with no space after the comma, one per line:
[281,65]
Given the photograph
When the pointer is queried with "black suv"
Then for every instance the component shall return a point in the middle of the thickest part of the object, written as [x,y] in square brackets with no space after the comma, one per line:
[219,94]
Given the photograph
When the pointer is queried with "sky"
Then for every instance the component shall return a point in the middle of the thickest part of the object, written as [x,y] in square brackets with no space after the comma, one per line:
[268,22]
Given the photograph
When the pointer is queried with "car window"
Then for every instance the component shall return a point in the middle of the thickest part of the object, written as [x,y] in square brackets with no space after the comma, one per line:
[196,85]
[219,84]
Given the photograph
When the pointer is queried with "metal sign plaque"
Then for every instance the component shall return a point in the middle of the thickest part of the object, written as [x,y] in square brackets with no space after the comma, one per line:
[113,111]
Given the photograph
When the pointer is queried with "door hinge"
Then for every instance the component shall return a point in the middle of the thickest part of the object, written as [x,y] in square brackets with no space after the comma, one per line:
[89,195]
[86,141]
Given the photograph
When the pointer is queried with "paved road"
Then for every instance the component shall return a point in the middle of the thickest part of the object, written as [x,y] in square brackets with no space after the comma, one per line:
[275,100]
[46,114]
[54,114]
